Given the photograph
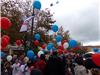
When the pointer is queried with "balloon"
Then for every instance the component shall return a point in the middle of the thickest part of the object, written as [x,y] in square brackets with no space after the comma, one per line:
[37,4]
[18,42]
[2,54]
[61,47]
[64,41]
[34,58]
[65,45]
[59,43]
[65,51]
[72,43]
[96,59]
[6,36]
[5,23]
[98,51]
[4,42]
[60,51]
[95,49]
[37,36]
[58,38]
[54,49]
[39,53]
[9,58]
[50,46]
[36,42]
[43,46]
[54,28]
[30,54]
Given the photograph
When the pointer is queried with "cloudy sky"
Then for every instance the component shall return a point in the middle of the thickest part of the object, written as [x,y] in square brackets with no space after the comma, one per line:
[80,17]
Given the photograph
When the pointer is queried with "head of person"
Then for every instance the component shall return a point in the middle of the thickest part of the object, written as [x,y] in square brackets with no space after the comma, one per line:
[55,53]
[42,57]
[16,61]
[79,60]
[26,59]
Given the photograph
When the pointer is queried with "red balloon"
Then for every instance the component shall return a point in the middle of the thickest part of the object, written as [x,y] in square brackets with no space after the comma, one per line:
[5,23]
[36,42]
[64,41]
[4,42]
[76,48]
[61,47]
[65,51]
[60,51]
[6,36]
[43,46]
[18,42]
[96,59]
[22,41]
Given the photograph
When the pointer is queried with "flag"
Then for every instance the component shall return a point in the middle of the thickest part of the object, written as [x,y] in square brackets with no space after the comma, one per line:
[24,26]
[60,30]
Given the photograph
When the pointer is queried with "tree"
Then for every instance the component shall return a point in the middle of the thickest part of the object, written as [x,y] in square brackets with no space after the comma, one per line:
[18,9]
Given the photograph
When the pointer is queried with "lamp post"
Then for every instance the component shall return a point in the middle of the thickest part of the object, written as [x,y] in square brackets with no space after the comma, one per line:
[36,5]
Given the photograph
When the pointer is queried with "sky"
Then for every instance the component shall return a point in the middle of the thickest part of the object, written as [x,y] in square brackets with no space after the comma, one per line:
[80,17]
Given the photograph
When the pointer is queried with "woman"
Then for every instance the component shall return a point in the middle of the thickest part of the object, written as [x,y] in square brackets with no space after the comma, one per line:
[24,69]
[79,68]
[15,67]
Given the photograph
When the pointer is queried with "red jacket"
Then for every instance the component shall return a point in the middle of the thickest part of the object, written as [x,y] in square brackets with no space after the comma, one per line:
[40,65]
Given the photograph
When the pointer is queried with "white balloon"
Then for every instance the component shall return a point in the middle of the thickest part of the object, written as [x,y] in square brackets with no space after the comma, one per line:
[40,52]
[9,58]
[59,43]
[65,45]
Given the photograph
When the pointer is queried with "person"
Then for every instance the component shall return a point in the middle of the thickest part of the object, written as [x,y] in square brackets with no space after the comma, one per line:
[69,67]
[15,67]
[79,68]
[36,72]
[24,69]
[40,64]
[54,66]
[7,68]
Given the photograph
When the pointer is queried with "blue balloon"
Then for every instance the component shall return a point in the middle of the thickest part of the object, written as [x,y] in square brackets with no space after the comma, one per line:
[30,54]
[54,49]
[95,49]
[72,43]
[50,46]
[98,51]
[58,38]
[2,54]
[37,4]
[54,28]
[37,36]
[35,58]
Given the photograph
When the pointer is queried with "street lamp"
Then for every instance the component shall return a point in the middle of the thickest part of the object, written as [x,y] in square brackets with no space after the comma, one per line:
[36,5]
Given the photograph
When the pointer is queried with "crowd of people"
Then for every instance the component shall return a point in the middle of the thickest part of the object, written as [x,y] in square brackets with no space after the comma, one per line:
[48,64]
